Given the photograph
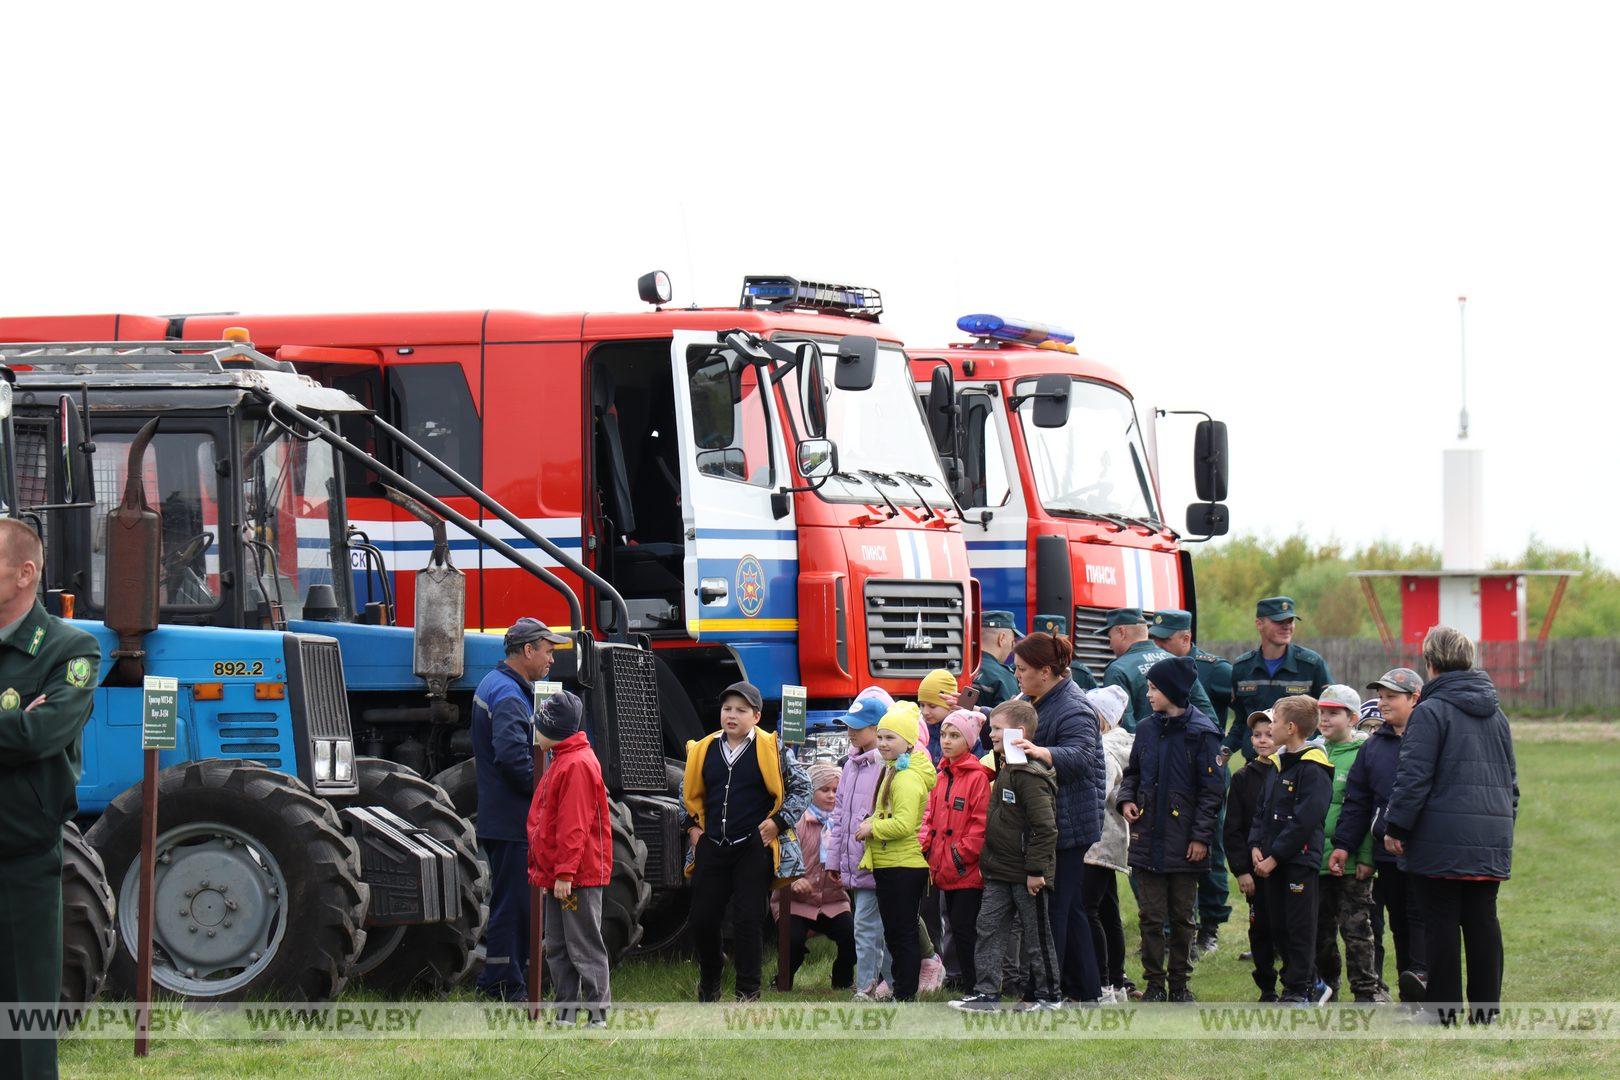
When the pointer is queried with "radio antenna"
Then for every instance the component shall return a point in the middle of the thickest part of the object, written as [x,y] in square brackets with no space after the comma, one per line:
[1462,337]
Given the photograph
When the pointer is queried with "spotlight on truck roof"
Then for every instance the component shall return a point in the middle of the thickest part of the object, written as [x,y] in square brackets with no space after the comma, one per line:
[997,328]
[654,288]
[775,292]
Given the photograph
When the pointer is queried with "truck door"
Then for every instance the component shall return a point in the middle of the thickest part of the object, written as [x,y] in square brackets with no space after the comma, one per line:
[740,562]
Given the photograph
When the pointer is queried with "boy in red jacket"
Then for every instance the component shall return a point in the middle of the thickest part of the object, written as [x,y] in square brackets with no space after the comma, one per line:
[953,832]
[571,858]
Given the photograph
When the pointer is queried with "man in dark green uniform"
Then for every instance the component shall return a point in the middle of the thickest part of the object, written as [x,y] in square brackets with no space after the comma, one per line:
[1278,668]
[1134,653]
[1172,629]
[1058,626]
[998,635]
[48,675]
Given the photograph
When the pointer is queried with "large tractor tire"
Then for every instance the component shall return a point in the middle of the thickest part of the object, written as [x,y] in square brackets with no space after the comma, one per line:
[88,933]
[627,894]
[257,889]
[432,957]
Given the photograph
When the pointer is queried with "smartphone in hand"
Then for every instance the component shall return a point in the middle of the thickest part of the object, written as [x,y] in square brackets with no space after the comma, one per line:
[968,699]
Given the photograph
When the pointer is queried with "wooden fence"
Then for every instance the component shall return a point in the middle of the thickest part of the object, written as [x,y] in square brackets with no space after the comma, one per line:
[1565,675]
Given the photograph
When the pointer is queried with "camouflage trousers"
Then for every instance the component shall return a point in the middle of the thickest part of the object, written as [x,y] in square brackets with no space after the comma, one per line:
[1344,910]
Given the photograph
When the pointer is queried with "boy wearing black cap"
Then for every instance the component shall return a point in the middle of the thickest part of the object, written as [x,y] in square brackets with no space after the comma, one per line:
[743,792]
[1171,796]
[571,859]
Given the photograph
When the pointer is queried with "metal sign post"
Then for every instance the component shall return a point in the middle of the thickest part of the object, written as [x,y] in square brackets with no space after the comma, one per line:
[537,895]
[790,730]
[159,731]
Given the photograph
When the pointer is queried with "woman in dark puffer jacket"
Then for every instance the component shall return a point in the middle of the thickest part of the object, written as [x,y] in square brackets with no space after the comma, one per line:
[1450,821]
[1068,739]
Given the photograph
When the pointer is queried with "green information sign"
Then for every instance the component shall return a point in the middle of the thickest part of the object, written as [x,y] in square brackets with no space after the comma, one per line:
[160,713]
[795,707]
[543,690]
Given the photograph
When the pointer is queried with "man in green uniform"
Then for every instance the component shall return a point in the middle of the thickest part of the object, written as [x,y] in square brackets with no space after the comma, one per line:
[48,675]
[1058,626]
[998,635]
[1134,653]
[1172,629]
[1278,668]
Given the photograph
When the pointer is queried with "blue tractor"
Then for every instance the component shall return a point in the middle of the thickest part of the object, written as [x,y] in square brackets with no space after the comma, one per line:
[190,498]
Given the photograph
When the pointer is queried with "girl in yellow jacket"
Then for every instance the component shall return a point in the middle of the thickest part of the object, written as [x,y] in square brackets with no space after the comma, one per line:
[893,853]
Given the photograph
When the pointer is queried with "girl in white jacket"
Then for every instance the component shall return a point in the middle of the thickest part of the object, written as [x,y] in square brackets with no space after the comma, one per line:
[1099,891]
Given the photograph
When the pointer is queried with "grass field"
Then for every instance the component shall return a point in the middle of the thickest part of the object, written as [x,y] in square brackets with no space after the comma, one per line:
[1560,916]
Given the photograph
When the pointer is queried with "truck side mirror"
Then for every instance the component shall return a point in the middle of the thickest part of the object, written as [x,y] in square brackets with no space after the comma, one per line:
[813,380]
[942,410]
[857,363]
[1051,401]
[1208,519]
[1210,461]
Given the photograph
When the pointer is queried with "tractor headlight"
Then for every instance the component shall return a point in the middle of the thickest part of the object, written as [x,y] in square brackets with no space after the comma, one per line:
[323,760]
[343,761]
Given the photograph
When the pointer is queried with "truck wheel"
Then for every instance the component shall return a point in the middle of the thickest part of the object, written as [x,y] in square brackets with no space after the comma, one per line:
[627,893]
[435,956]
[88,935]
[257,890]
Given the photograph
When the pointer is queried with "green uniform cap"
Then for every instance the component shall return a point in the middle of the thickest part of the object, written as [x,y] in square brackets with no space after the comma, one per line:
[1276,608]
[1055,625]
[999,620]
[1125,616]
[1169,622]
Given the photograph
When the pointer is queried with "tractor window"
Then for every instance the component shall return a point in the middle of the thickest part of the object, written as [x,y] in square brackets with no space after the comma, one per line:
[181,482]
[292,519]
[435,408]
[729,420]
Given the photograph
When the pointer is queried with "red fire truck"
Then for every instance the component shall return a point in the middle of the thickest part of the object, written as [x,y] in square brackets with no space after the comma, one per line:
[757,481]
[1056,472]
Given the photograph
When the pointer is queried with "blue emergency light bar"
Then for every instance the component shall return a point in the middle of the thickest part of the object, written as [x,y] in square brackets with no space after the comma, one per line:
[1019,330]
[779,293]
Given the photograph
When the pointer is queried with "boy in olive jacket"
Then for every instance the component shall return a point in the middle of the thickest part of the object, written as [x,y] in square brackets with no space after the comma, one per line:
[1018,863]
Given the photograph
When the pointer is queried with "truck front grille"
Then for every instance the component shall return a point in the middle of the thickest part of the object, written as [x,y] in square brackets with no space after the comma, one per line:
[913,627]
[1090,647]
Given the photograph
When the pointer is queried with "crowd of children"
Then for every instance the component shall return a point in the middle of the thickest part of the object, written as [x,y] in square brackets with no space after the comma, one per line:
[916,809]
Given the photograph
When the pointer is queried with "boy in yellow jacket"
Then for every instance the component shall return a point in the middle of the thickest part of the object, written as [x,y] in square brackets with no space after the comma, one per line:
[893,853]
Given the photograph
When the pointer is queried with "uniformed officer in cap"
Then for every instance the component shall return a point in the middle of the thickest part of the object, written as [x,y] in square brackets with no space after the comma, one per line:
[49,671]
[1058,626]
[1277,669]
[1134,652]
[1172,629]
[995,682]
[503,756]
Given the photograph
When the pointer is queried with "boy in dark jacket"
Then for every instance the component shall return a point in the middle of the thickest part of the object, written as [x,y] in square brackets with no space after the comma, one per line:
[571,859]
[1018,863]
[1285,844]
[1242,803]
[1171,796]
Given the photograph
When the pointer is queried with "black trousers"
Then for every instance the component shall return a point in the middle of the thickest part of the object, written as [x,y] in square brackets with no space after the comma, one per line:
[1291,900]
[962,912]
[1396,892]
[1100,895]
[737,876]
[1260,946]
[506,934]
[840,930]
[1451,906]
[899,894]
[1071,928]
[30,949]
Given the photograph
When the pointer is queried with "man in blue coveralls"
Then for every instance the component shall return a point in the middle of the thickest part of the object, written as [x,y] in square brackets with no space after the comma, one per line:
[503,755]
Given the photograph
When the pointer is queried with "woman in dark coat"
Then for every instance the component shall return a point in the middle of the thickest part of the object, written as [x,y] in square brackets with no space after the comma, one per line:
[1069,739]
[1450,822]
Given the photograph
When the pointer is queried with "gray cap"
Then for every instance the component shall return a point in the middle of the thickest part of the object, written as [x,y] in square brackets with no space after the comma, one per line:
[527,630]
[1402,680]
[1341,696]
[748,692]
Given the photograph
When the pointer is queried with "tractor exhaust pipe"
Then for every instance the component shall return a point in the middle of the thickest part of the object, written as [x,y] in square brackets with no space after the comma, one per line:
[134,556]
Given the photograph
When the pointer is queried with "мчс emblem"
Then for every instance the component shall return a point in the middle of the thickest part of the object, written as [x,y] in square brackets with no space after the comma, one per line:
[750,586]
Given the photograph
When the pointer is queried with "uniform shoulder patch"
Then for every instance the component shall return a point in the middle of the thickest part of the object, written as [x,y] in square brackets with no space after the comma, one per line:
[10,699]
[78,672]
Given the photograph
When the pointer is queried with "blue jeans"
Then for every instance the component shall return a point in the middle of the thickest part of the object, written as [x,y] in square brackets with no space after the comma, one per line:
[871,957]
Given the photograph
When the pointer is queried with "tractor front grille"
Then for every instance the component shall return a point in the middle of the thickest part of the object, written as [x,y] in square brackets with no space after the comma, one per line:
[630,718]
[325,698]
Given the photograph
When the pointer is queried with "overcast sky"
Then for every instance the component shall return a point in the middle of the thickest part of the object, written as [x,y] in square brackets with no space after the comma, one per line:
[1262,210]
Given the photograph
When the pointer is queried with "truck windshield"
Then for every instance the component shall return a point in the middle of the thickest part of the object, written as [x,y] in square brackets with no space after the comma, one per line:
[1094,464]
[884,448]
[292,513]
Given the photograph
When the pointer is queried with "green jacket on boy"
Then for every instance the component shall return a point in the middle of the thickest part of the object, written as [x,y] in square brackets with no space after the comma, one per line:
[1341,756]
